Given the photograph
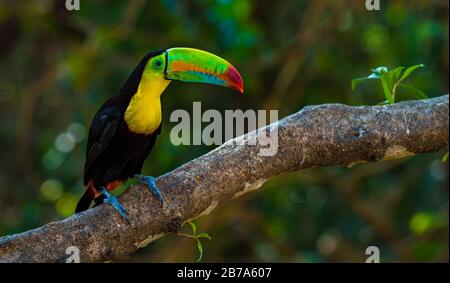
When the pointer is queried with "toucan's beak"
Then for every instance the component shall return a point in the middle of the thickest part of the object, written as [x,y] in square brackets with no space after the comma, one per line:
[193,65]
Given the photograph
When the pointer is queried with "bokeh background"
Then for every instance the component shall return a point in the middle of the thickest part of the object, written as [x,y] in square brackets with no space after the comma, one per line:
[58,66]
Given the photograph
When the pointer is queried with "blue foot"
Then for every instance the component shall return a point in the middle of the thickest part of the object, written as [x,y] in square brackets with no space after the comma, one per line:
[149,181]
[112,200]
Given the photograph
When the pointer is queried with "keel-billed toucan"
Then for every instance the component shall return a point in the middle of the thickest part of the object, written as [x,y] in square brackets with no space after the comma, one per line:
[124,129]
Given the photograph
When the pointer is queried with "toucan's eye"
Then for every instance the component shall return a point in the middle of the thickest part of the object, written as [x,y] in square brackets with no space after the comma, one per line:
[157,63]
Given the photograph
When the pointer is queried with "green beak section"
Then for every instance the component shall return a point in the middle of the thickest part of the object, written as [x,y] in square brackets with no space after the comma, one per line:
[193,65]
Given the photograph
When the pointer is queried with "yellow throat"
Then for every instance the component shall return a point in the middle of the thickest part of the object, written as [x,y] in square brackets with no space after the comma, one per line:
[143,114]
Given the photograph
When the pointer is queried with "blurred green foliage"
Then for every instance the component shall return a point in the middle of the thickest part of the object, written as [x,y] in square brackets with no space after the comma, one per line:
[58,66]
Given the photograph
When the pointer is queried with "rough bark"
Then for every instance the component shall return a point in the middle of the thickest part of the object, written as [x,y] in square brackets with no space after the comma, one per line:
[324,135]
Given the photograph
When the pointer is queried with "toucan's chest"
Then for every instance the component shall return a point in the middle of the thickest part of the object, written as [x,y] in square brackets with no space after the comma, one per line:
[143,114]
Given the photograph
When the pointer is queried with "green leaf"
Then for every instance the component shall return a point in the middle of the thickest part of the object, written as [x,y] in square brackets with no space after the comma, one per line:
[200,250]
[397,71]
[386,102]
[357,81]
[410,70]
[380,70]
[445,157]
[194,228]
[390,81]
[203,235]
[387,90]
[414,91]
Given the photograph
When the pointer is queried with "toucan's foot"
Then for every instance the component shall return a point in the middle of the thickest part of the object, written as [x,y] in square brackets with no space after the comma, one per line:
[149,181]
[112,200]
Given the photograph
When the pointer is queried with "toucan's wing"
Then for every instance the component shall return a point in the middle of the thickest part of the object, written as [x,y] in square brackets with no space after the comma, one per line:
[103,128]
[137,158]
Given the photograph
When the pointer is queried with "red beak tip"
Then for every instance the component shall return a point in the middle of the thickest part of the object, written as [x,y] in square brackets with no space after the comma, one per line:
[235,79]
[238,87]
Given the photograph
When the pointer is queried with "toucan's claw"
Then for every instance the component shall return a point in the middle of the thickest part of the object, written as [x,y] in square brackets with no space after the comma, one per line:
[112,200]
[150,183]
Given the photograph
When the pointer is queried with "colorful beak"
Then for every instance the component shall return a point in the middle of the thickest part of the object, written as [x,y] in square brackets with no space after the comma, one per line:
[193,65]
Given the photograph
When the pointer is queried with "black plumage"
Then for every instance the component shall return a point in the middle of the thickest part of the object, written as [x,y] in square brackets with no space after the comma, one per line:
[114,153]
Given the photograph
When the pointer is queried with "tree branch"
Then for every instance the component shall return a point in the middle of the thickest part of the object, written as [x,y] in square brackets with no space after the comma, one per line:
[324,135]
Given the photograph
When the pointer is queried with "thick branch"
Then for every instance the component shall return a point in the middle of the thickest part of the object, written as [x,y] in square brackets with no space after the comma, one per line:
[325,135]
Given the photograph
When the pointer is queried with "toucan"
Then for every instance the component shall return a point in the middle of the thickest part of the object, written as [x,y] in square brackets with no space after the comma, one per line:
[124,129]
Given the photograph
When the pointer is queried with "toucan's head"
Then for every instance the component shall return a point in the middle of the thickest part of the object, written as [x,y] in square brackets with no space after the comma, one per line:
[192,65]
[157,69]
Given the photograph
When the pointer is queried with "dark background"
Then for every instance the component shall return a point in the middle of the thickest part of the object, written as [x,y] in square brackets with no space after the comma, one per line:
[58,66]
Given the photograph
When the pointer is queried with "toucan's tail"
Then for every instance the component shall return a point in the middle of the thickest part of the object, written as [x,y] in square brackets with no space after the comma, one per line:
[85,202]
